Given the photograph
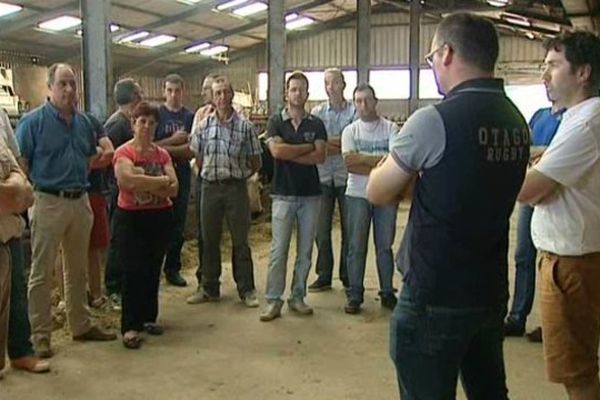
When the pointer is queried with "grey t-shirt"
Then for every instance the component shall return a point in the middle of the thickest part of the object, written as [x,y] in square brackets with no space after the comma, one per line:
[421,141]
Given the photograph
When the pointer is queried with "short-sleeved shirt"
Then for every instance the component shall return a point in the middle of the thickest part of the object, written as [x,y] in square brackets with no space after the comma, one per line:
[470,155]
[568,223]
[11,225]
[291,178]
[153,165]
[118,128]
[544,125]
[97,177]
[225,147]
[57,153]
[333,170]
[370,138]
[173,121]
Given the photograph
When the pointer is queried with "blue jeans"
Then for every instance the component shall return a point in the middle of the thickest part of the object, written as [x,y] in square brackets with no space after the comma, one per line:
[359,213]
[180,206]
[525,257]
[304,211]
[432,346]
[325,256]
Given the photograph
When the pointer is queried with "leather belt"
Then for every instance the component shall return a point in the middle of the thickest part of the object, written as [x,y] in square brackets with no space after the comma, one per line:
[66,194]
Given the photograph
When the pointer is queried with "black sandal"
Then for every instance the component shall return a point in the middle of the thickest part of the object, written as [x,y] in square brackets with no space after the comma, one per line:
[154,329]
[132,342]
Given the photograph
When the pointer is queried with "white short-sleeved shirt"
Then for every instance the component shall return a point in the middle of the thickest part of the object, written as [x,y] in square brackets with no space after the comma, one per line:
[569,223]
[367,138]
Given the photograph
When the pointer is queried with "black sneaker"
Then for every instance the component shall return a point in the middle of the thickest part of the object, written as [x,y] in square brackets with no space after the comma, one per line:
[535,336]
[352,307]
[175,279]
[513,329]
[389,301]
[319,286]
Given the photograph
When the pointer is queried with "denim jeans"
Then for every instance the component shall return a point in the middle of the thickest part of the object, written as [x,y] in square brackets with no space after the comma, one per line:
[180,207]
[525,257]
[431,346]
[304,211]
[325,257]
[19,329]
[359,213]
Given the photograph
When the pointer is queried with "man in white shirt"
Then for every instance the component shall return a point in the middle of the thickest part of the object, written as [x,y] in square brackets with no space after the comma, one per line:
[364,143]
[564,186]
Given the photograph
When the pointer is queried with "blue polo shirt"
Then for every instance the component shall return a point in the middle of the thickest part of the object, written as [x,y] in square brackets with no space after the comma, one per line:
[57,154]
[544,125]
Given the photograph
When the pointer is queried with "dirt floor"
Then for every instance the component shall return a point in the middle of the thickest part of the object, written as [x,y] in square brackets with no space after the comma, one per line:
[222,351]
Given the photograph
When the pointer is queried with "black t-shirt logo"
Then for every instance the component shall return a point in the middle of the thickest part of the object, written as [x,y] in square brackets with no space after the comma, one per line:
[310,136]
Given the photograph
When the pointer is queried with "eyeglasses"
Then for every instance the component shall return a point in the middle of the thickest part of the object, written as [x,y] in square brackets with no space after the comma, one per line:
[429,56]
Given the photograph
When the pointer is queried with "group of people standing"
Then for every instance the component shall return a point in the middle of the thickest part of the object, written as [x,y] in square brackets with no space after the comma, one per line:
[466,161]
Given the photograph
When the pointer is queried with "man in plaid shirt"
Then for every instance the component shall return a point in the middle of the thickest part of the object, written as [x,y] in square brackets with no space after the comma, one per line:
[227,153]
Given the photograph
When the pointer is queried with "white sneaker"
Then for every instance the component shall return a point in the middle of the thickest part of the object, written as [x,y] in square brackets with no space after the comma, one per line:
[300,307]
[250,300]
[272,311]
[200,297]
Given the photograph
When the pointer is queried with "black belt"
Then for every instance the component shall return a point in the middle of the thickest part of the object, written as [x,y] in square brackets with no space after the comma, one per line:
[66,194]
[231,181]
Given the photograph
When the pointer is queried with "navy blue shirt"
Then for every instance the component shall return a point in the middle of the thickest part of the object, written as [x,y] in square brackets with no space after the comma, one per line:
[98,177]
[544,125]
[57,153]
[171,122]
[291,178]
[454,252]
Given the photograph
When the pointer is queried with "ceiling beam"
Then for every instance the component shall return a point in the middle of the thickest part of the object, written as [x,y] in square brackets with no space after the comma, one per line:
[294,35]
[23,23]
[235,31]
[162,17]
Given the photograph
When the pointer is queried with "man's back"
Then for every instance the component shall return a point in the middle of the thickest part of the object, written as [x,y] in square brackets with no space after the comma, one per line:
[456,242]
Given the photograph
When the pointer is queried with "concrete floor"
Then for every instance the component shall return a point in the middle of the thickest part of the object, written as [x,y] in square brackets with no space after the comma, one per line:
[222,351]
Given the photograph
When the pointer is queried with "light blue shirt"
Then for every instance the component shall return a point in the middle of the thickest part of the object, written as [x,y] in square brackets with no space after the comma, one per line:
[57,153]
[333,169]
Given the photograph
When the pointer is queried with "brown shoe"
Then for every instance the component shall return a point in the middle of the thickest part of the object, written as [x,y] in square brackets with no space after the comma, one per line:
[30,364]
[95,334]
[535,336]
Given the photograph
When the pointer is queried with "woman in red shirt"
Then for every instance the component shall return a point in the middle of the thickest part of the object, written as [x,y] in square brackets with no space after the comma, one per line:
[142,223]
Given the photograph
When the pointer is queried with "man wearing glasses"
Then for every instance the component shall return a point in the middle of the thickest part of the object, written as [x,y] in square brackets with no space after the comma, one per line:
[469,155]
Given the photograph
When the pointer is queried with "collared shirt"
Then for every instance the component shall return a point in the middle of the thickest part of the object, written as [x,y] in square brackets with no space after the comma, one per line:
[57,153]
[568,223]
[11,225]
[291,178]
[470,152]
[333,169]
[225,147]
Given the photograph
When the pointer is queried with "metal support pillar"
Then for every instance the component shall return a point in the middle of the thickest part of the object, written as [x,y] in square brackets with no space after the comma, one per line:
[95,15]
[276,55]
[363,40]
[414,54]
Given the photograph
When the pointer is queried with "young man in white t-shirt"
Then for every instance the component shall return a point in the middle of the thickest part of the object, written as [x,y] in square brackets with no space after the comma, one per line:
[564,187]
[364,143]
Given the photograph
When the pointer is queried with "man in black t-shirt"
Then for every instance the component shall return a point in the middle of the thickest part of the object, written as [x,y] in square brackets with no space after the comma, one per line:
[297,141]
[127,95]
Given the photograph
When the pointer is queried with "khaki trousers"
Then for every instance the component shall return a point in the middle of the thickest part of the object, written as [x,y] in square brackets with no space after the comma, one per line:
[4,300]
[56,221]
